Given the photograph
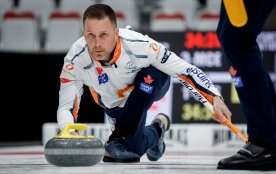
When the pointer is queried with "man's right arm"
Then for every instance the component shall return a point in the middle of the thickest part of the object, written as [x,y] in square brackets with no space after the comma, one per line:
[69,95]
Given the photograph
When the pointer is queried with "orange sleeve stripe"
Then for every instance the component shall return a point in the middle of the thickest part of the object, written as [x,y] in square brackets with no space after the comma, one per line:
[208,97]
[75,108]
[94,95]
[121,92]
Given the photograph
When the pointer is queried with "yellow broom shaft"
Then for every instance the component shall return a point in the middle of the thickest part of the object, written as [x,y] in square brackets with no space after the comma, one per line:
[235,130]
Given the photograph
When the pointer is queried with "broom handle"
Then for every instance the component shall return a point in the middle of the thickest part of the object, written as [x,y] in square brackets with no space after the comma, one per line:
[229,124]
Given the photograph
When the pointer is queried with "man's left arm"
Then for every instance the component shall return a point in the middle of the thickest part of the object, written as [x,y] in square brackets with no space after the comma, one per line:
[194,79]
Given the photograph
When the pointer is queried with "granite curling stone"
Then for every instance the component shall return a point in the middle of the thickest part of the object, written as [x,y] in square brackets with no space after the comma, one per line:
[74,150]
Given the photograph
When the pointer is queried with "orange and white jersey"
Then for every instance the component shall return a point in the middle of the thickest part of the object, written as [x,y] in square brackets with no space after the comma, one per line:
[110,85]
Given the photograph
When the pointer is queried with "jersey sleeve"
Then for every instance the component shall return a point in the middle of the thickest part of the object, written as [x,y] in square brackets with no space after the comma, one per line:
[189,75]
[71,89]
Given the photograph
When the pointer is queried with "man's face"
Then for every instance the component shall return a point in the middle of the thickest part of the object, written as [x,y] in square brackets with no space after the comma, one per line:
[101,36]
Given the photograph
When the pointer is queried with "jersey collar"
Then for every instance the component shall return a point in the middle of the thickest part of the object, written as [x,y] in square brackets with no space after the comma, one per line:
[117,52]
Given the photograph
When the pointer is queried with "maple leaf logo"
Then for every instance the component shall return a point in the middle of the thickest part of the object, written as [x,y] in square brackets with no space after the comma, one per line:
[99,70]
[64,80]
[148,79]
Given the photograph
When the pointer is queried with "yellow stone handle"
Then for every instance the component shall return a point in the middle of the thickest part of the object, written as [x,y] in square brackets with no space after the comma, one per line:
[236,12]
[66,132]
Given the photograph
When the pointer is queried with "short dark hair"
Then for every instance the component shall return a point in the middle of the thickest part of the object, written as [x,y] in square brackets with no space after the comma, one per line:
[100,11]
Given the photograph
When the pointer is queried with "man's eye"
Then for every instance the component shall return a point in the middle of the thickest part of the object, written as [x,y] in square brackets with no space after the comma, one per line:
[103,35]
[90,36]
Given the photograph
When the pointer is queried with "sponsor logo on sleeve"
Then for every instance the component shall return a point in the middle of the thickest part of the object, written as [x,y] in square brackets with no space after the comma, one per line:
[194,92]
[146,85]
[146,88]
[131,67]
[166,56]
[202,76]
[148,79]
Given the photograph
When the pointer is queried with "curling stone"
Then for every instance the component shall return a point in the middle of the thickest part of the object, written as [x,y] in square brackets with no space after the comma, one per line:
[74,150]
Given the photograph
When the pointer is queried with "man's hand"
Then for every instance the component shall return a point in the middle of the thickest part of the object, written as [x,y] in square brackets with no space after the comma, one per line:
[74,132]
[221,111]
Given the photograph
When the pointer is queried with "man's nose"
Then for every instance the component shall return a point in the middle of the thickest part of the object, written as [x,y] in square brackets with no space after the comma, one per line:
[97,42]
